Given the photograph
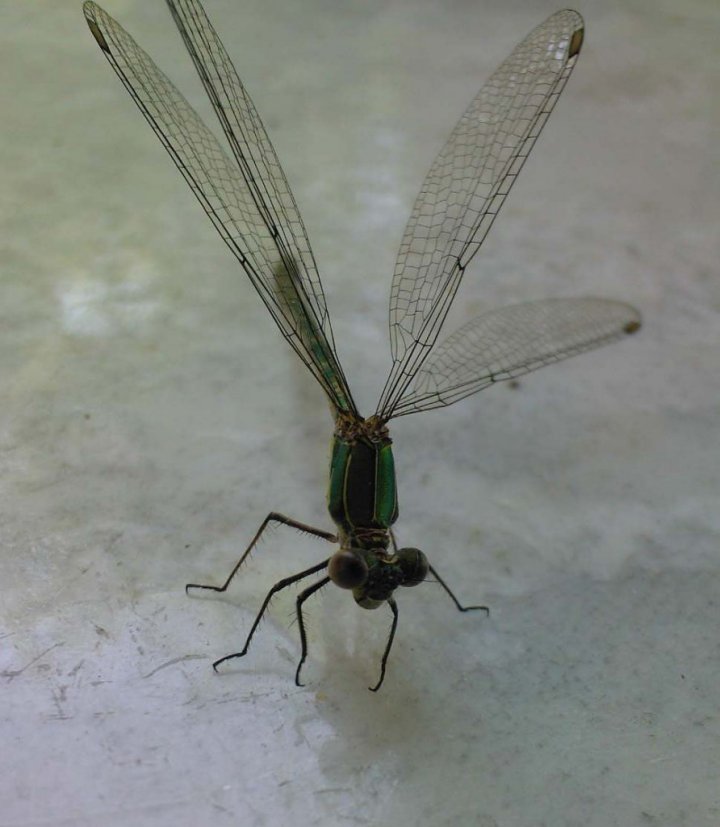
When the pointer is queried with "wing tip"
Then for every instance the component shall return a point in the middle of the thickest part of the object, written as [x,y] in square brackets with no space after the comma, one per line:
[633,321]
[90,10]
[576,41]
[573,20]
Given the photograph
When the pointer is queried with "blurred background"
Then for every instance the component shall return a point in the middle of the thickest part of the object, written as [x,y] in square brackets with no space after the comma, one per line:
[151,416]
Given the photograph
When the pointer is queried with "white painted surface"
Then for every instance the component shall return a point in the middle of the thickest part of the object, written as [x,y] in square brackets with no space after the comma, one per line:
[151,417]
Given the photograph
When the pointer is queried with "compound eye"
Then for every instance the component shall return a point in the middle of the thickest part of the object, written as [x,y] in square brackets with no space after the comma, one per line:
[347,568]
[414,566]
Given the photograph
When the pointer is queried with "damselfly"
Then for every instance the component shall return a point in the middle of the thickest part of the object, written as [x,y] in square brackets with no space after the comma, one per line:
[248,199]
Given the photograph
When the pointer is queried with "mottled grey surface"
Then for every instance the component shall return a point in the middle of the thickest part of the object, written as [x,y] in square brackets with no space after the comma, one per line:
[151,416]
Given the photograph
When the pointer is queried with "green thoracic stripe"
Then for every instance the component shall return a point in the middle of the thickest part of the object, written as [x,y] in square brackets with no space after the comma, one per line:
[362,492]
[336,487]
[386,508]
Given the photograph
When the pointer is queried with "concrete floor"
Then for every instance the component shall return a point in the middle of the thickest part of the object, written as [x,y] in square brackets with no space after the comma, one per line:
[151,416]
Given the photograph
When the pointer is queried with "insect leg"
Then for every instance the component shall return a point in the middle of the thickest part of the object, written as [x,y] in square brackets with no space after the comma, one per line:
[272,517]
[301,598]
[454,599]
[279,586]
[383,663]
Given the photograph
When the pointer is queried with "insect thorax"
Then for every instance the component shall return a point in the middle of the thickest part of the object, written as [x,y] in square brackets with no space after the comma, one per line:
[362,495]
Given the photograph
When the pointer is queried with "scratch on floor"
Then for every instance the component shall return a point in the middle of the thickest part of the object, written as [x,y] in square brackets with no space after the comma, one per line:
[173,662]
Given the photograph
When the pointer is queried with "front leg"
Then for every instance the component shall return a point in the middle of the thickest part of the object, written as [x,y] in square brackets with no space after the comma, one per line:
[388,645]
[279,586]
[301,598]
[454,599]
[445,586]
[272,517]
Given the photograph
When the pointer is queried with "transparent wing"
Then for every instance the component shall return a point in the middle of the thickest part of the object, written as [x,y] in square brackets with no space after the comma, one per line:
[509,342]
[249,202]
[466,187]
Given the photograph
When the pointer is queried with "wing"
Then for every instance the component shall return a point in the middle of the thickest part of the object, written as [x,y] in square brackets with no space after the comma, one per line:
[512,341]
[249,202]
[466,187]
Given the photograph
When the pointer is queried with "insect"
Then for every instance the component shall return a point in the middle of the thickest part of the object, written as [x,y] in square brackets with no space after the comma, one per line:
[247,197]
